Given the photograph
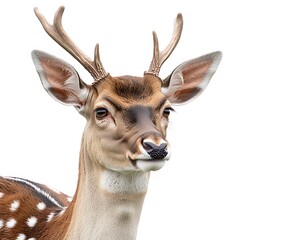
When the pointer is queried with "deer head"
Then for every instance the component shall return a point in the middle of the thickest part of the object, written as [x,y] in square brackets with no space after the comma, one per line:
[127,116]
[124,139]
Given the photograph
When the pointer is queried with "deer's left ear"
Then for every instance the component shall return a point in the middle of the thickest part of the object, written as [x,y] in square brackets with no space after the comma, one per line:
[190,78]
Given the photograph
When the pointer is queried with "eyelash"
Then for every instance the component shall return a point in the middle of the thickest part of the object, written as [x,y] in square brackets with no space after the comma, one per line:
[167,111]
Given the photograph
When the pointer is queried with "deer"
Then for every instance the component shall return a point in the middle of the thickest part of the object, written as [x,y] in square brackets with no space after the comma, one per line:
[123,141]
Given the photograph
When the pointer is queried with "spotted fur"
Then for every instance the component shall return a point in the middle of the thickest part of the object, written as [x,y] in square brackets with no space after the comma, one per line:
[27,207]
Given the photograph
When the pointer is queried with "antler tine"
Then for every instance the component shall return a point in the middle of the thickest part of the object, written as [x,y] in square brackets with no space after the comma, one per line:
[97,61]
[159,57]
[58,34]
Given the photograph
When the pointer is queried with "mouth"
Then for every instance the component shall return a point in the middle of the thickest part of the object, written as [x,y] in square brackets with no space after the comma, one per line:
[147,161]
[148,164]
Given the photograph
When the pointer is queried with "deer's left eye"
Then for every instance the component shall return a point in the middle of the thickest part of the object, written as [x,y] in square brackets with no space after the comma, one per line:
[167,111]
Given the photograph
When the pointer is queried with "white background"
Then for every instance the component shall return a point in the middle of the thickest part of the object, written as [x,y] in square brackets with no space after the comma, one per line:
[234,172]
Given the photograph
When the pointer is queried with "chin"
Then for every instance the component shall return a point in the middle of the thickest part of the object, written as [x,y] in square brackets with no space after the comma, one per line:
[150,165]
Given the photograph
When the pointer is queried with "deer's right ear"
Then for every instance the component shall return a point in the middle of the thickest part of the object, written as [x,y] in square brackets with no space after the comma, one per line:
[60,79]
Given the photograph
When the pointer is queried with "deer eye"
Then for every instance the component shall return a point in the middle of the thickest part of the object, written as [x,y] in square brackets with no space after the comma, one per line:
[167,111]
[101,113]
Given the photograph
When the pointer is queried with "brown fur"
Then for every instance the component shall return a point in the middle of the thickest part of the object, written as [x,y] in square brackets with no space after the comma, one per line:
[29,199]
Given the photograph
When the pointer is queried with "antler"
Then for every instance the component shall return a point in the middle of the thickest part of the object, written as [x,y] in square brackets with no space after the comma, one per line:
[59,35]
[159,57]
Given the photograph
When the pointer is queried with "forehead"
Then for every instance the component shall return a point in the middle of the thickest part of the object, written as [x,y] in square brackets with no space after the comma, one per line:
[128,91]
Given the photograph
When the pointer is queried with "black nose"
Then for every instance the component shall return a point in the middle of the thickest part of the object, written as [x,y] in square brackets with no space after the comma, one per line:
[155,151]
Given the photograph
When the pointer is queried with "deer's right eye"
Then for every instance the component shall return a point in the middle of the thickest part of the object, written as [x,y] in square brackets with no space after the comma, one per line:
[101,113]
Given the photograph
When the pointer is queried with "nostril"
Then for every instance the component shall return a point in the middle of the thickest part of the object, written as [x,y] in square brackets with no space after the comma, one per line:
[163,146]
[149,146]
[155,151]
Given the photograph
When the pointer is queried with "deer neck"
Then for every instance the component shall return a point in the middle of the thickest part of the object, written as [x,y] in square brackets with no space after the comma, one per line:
[107,204]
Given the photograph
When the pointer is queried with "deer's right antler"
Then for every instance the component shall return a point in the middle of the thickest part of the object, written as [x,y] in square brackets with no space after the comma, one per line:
[57,32]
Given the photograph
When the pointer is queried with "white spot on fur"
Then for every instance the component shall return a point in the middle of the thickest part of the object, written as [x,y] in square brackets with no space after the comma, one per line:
[1,194]
[21,236]
[31,222]
[14,205]
[50,217]
[11,223]
[41,206]
[31,239]
[69,199]
[1,223]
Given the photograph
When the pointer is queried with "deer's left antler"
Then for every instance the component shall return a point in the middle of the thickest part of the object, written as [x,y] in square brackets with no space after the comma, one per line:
[159,57]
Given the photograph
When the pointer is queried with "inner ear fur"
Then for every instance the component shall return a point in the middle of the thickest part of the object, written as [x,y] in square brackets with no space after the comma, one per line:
[60,79]
[190,78]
